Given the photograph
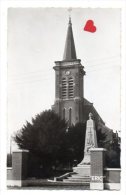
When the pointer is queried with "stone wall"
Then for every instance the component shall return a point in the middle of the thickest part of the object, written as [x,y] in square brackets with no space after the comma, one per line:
[9,173]
[102,177]
[17,174]
[112,178]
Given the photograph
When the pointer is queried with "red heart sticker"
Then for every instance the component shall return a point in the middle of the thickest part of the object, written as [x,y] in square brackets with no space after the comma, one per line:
[89,26]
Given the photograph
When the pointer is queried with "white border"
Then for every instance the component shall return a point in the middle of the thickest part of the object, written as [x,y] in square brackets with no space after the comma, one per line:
[3,70]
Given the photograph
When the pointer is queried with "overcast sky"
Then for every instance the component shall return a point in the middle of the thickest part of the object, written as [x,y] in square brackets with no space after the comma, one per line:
[36,38]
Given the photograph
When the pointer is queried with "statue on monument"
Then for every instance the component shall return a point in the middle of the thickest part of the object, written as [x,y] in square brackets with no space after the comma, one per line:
[90,140]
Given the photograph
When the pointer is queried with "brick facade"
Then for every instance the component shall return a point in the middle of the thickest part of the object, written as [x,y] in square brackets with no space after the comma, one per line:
[69,90]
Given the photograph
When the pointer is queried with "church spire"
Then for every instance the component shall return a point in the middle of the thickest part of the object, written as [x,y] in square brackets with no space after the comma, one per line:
[69,52]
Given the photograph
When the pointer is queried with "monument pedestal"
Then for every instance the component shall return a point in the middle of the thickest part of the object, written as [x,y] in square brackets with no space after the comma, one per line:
[82,170]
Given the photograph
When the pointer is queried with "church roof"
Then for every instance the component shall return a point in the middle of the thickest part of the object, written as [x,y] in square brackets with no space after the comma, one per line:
[88,107]
[69,51]
[86,102]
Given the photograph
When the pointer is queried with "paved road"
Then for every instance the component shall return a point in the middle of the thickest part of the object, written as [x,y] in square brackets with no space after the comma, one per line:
[50,188]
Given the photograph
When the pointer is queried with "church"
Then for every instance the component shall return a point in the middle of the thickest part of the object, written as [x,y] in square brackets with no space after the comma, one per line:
[70,103]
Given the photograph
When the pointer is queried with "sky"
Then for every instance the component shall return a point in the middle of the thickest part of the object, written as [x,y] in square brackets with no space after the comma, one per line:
[36,39]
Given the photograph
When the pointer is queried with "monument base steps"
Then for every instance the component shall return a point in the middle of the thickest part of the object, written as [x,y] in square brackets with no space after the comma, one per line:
[81,175]
[77,180]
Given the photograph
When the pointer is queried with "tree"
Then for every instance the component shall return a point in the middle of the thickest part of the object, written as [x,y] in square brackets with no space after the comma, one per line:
[109,140]
[43,137]
[113,154]
[76,141]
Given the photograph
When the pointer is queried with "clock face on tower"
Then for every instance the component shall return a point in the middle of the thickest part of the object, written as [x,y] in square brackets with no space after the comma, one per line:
[67,72]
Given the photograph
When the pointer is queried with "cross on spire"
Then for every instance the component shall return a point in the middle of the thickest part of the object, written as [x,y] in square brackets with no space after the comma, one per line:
[69,10]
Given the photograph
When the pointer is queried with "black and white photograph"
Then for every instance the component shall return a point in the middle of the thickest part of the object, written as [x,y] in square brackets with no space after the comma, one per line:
[64,87]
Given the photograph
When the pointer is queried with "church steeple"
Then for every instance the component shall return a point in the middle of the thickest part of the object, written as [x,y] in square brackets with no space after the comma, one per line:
[69,75]
[69,51]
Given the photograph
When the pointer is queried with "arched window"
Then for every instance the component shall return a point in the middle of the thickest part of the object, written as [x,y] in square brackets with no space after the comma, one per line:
[64,88]
[64,110]
[70,87]
[70,116]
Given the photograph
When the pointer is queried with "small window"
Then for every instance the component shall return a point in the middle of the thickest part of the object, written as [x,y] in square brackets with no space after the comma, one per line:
[70,116]
[64,88]
[70,87]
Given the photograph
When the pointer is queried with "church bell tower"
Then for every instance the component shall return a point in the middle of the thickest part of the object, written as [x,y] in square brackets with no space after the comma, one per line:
[69,75]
